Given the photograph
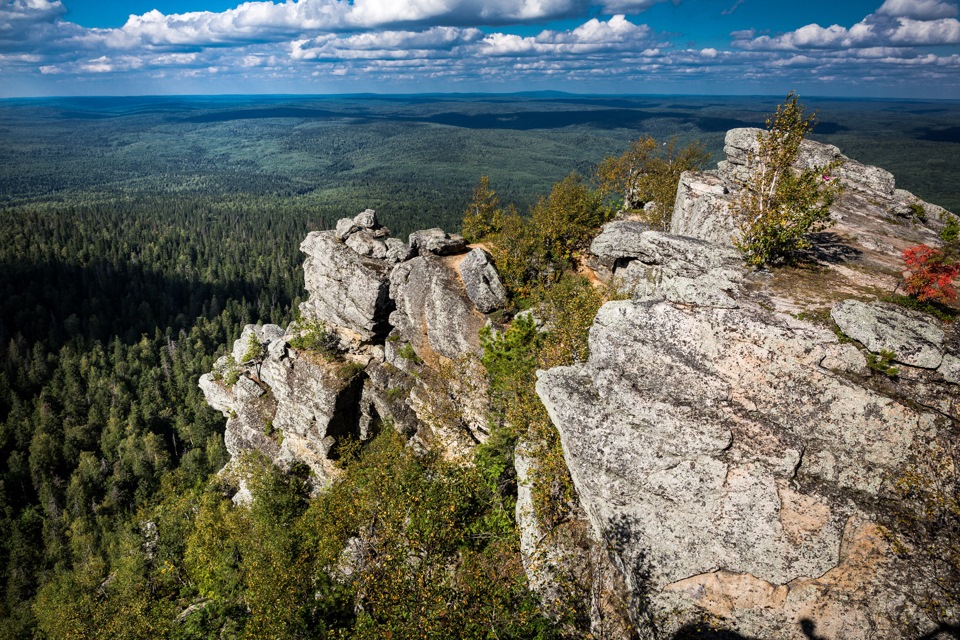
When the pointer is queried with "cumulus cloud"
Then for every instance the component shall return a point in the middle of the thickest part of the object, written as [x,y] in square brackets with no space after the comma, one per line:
[918,9]
[897,22]
[434,42]
[615,34]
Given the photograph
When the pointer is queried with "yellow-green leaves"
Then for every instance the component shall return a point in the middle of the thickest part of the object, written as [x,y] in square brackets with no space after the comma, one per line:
[779,204]
[648,172]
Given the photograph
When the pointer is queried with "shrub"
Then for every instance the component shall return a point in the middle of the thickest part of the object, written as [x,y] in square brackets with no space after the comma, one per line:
[930,274]
[883,363]
[483,216]
[649,172]
[567,220]
[314,336]
[779,204]
[950,234]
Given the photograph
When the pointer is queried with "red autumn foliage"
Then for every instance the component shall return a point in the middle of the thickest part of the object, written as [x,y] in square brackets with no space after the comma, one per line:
[930,274]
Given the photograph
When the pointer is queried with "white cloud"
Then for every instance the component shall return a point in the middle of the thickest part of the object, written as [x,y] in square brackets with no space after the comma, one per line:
[913,23]
[594,36]
[918,9]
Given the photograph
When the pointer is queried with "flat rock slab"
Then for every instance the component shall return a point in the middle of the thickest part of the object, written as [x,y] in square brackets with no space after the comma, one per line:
[881,326]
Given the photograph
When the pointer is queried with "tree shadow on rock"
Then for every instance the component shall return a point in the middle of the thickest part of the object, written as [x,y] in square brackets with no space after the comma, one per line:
[630,556]
[830,247]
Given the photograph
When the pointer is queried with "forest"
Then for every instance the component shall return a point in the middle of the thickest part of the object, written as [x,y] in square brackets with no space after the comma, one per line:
[139,235]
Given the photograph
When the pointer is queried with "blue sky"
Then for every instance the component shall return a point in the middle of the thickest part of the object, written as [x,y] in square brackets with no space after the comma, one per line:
[890,48]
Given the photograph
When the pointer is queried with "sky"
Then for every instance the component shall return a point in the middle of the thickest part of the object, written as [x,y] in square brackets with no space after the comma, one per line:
[846,48]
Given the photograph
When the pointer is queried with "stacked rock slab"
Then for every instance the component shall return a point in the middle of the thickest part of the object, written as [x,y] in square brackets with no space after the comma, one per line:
[297,405]
[732,456]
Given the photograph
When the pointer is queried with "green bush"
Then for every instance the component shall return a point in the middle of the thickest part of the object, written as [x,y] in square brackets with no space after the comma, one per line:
[648,172]
[314,336]
[779,204]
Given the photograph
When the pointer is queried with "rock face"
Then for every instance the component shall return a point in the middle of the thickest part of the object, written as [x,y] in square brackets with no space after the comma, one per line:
[705,440]
[433,309]
[347,290]
[482,281]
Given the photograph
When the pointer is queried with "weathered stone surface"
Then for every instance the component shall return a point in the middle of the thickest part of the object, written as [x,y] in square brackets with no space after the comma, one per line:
[318,403]
[702,209]
[622,239]
[347,290]
[846,358]
[658,266]
[914,338]
[950,369]
[246,389]
[482,281]
[367,219]
[397,250]
[364,243]
[345,227]
[433,310]
[436,241]
[302,406]
[692,434]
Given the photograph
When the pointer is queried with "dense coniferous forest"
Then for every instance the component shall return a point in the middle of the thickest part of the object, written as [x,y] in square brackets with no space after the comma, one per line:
[138,236]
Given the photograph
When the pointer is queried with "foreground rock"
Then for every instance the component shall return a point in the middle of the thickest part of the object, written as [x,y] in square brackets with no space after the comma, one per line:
[731,456]
[722,462]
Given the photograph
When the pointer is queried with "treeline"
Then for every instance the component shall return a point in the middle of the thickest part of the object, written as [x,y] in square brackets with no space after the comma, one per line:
[108,314]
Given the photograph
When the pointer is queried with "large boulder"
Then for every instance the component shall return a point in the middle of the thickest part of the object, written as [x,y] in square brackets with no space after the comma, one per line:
[347,290]
[433,311]
[482,281]
[656,266]
[437,242]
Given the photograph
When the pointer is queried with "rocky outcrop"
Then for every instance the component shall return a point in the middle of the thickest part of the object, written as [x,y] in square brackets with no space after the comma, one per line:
[732,455]
[872,217]
[730,436]
[297,405]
